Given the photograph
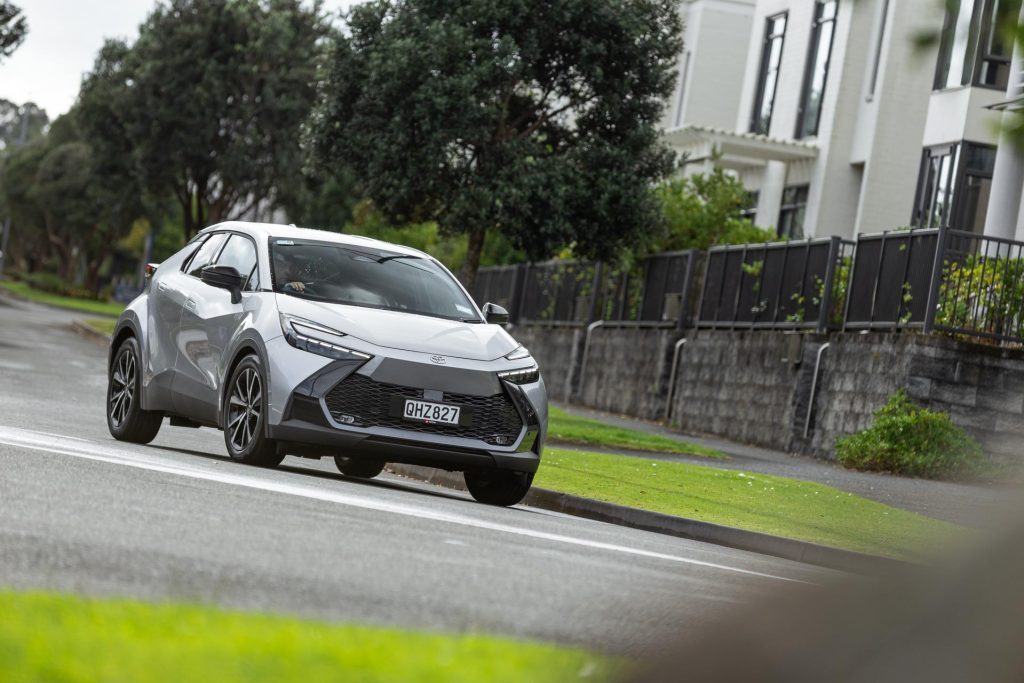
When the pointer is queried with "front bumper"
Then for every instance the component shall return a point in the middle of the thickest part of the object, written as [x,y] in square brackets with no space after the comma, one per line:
[309,429]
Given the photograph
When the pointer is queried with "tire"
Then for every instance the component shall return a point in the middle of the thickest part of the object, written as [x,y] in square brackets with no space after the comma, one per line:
[126,419]
[498,487]
[245,416]
[360,469]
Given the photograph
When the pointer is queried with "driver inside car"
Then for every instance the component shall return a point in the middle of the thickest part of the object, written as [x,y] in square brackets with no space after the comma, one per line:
[287,271]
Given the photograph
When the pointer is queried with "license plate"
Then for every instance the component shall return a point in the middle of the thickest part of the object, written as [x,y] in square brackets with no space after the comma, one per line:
[425,411]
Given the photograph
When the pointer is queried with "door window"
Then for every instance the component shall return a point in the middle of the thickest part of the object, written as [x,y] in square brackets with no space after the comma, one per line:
[206,254]
[240,254]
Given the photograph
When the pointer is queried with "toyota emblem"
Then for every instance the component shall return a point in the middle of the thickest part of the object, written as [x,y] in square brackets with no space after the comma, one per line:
[440,360]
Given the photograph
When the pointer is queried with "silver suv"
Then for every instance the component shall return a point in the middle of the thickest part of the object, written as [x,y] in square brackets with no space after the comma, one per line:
[310,343]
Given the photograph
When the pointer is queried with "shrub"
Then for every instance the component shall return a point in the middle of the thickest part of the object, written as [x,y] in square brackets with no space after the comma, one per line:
[907,439]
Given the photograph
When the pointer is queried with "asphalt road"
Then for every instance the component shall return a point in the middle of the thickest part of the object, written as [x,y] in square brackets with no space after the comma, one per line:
[178,520]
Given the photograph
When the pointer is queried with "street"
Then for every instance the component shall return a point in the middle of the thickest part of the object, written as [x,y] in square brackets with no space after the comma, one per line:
[178,520]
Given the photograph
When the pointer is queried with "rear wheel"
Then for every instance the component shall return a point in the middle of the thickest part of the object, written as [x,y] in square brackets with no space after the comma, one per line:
[246,414]
[361,469]
[498,487]
[126,419]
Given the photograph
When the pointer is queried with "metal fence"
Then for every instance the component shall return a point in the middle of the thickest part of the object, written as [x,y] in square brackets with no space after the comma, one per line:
[935,279]
[781,285]
[657,288]
[978,288]
[890,280]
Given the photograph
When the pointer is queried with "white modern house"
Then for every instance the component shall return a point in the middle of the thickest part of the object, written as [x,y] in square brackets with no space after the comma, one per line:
[839,122]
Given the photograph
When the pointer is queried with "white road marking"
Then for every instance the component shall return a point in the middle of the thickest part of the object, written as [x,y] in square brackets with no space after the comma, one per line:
[80,448]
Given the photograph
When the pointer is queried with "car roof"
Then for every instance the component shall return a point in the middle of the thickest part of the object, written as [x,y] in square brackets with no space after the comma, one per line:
[268,230]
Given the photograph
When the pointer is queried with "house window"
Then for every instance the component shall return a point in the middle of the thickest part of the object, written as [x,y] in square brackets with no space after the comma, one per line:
[953,186]
[972,50]
[877,62]
[768,74]
[791,214]
[816,74]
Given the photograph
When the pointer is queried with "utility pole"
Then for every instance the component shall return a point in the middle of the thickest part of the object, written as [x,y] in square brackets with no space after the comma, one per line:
[22,139]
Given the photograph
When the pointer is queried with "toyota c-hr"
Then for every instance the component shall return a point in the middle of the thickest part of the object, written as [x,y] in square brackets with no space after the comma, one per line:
[310,343]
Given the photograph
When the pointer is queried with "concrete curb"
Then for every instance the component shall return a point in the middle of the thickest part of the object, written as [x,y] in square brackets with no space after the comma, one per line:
[680,527]
[95,336]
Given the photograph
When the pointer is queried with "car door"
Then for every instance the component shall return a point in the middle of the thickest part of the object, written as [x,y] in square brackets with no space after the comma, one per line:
[166,299]
[208,322]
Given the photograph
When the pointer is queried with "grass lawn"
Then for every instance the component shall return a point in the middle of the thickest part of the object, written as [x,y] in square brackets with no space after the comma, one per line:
[104,325]
[566,428]
[758,502]
[84,305]
[53,637]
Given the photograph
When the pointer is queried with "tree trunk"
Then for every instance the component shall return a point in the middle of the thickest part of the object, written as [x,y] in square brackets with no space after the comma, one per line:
[472,262]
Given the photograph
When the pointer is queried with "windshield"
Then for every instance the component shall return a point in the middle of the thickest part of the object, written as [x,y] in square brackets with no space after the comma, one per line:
[364,276]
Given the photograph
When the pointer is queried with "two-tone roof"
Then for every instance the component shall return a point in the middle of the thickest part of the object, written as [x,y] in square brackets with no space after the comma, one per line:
[276,230]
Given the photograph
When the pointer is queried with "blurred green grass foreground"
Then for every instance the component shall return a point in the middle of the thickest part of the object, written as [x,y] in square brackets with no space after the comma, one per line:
[63,638]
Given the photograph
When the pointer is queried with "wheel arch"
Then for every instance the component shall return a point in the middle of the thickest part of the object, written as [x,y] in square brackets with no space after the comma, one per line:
[125,329]
[246,345]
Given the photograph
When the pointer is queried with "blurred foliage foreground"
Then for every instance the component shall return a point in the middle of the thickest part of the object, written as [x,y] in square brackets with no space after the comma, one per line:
[50,637]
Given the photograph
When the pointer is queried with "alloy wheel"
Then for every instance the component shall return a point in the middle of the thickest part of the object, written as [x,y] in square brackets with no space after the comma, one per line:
[244,409]
[122,388]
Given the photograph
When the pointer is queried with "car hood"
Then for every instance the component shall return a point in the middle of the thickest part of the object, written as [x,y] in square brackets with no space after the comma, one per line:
[405,331]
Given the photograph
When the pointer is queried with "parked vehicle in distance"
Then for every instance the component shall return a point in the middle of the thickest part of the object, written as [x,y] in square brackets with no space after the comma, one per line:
[311,343]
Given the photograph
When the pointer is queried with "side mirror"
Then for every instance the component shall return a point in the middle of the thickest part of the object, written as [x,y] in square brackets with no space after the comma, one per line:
[224,277]
[495,314]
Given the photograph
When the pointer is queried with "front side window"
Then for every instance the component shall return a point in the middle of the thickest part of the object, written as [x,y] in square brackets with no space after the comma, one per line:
[791,213]
[972,50]
[953,187]
[206,254]
[355,275]
[822,31]
[768,73]
[240,254]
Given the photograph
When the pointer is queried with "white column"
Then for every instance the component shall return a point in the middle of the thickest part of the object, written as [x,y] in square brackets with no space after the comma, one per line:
[1005,213]
[769,201]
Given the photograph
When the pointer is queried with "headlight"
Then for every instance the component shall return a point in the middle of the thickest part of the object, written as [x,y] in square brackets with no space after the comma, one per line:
[307,335]
[518,354]
[521,376]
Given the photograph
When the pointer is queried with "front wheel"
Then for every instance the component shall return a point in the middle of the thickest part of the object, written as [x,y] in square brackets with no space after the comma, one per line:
[126,419]
[361,469]
[246,415]
[498,487]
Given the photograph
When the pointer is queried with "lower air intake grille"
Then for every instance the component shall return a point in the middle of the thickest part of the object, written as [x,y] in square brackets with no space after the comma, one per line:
[494,419]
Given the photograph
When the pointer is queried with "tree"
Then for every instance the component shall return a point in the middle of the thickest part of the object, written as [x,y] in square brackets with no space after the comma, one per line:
[537,120]
[703,210]
[215,94]
[20,124]
[13,28]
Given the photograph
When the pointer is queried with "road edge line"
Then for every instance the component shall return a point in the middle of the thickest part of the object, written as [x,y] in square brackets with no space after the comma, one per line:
[680,527]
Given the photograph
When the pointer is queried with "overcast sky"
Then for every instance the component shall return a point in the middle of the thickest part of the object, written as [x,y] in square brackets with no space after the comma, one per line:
[63,39]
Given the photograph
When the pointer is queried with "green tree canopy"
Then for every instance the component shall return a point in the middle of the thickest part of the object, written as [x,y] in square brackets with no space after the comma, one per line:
[537,120]
[13,28]
[213,96]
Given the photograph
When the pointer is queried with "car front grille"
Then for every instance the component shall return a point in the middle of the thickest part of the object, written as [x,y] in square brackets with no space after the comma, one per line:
[495,419]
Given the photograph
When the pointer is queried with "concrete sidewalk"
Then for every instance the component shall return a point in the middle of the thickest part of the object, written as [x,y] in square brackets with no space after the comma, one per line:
[975,505]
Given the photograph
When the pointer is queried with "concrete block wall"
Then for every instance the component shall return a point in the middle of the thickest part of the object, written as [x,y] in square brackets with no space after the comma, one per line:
[627,371]
[755,387]
[557,350]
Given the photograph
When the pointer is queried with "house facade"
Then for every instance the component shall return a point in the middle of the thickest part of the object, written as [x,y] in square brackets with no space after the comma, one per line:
[846,122]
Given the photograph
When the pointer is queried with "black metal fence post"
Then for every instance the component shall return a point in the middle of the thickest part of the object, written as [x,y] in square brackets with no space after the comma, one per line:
[825,310]
[936,281]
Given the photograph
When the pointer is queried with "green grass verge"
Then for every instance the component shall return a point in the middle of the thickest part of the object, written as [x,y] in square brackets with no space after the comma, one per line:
[52,637]
[101,325]
[758,502]
[84,305]
[566,428]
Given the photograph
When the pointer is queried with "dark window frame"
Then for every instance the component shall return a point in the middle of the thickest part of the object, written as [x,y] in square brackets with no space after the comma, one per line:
[978,59]
[956,177]
[791,207]
[763,69]
[818,26]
